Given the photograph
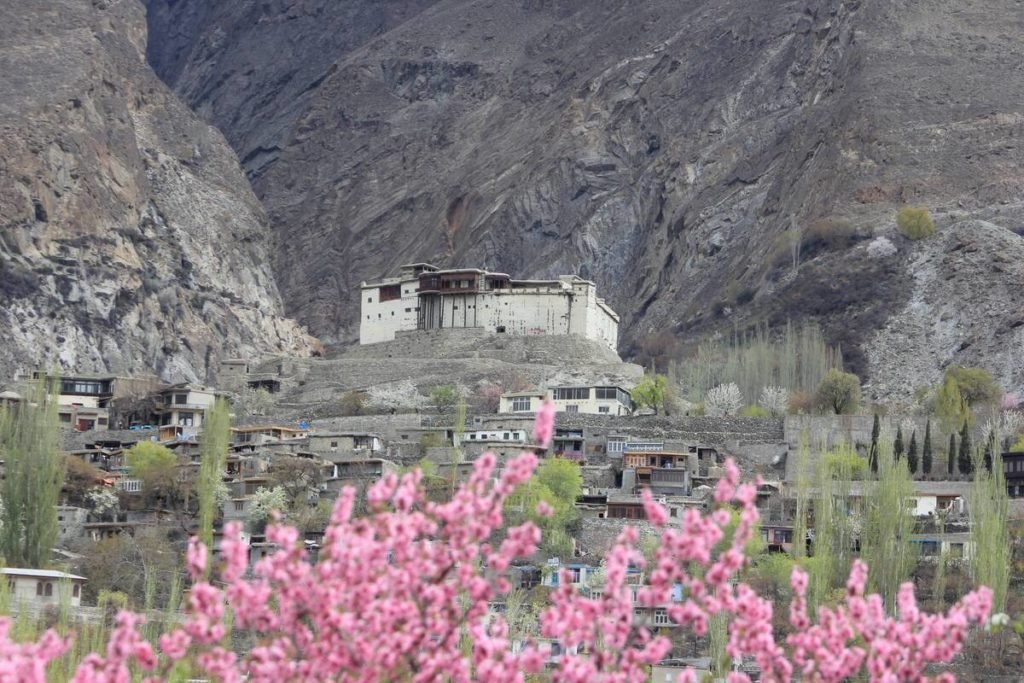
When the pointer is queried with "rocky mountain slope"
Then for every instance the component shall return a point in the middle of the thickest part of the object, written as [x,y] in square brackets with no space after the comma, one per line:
[130,239]
[668,149]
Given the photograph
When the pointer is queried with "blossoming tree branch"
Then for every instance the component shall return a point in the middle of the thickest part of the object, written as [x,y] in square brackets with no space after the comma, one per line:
[403,593]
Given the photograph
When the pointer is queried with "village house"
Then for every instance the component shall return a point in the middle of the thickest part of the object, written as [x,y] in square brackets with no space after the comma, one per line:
[588,400]
[1013,473]
[662,472]
[82,402]
[424,297]
[521,402]
[35,588]
[9,399]
[259,435]
[183,406]
[337,446]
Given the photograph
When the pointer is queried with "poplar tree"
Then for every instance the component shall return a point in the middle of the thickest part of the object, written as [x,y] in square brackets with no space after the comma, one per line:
[876,430]
[988,504]
[213,450]
[885,541]
[912,454]
[926,452]
[965,461]
[897,445]
[951,456]
[34,473]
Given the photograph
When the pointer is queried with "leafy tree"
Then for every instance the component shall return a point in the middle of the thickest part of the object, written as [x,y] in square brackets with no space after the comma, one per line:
[876,430]
[839,392]
[951,455]
[965,460]
[897,445]
[915,222]
[33,475]
[213,450]
[557,483]
[156,466]
[926,451]
[650,392]
[977,386]
[949,405]
[912,454]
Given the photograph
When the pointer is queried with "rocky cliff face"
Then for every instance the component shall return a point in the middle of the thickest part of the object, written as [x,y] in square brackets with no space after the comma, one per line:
[129,237]
[668,149]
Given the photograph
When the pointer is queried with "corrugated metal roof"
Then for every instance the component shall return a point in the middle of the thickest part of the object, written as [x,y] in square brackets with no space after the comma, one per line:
[40,573]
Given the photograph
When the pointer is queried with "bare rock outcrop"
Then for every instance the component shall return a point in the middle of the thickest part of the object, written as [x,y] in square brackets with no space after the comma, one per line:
[129,236]
[964,309]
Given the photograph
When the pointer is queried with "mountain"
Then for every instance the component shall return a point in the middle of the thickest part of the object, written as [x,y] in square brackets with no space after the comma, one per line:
[668,149]
[130,239]
[711,164]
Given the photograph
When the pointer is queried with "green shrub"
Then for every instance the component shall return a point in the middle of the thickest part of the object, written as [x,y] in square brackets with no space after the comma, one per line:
[915,222]
[754,411]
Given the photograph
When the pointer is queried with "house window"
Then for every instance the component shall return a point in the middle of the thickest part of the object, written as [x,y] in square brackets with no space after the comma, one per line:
[607,392]
[180,399]
[521,404]
[39,587]
[65,417]
[661,617]
[186,419]
[572,394]
[505,436]
[48,590]
[75,590]
[239,505]
[616,444]
[602,409]
[572,408]
[334,444]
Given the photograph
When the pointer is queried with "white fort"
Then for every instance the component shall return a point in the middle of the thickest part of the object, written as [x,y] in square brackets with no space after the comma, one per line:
[425,297]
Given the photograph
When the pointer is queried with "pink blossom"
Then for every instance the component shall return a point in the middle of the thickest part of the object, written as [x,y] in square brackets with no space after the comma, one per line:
[544,425]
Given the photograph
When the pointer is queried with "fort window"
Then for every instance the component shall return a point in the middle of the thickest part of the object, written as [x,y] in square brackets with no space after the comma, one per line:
[390,293]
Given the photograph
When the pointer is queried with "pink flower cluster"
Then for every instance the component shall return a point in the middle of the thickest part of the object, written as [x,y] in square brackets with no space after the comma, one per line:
[404,593]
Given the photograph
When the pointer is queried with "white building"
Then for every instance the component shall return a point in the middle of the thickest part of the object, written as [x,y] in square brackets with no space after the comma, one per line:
[41,587]
[185,406]
[424,297]
[500,435]
[592,400]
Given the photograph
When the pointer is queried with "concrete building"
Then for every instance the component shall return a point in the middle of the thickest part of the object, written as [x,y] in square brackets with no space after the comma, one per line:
[589,400]
[184,405]
[83,402]
[1013,473]
[42,587]
[521,402]
[259,435]
[596,400]
[424,297]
